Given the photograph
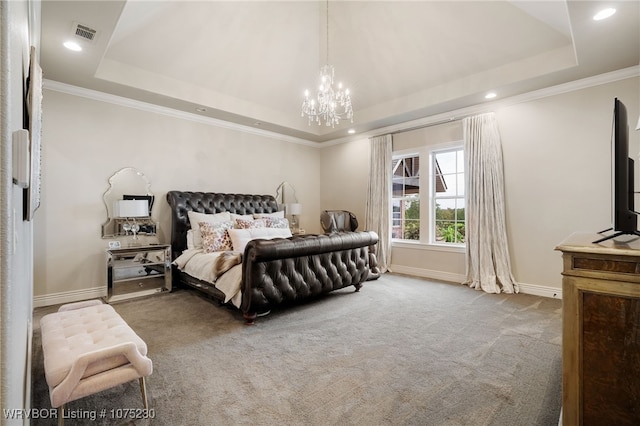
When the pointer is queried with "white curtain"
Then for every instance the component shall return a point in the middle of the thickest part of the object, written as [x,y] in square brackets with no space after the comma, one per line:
[488,263]
[377,210]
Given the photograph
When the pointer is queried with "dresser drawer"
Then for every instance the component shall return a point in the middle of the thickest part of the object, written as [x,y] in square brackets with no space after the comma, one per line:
[146,284]
[138,271]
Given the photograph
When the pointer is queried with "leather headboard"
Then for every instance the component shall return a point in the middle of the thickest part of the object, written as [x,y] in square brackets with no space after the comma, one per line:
[182,202]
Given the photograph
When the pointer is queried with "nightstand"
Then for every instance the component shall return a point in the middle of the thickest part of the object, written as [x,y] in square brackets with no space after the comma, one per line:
[138,271]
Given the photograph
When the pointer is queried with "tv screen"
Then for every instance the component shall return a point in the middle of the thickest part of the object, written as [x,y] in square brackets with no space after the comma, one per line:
[625,219]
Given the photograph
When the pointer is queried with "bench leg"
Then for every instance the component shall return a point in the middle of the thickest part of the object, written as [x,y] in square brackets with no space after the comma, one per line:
[143,389]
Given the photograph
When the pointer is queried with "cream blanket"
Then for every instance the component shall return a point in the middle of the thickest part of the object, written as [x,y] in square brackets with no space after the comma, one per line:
[223,269]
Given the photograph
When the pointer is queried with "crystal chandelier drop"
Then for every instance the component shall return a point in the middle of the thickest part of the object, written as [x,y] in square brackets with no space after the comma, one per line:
[329,105]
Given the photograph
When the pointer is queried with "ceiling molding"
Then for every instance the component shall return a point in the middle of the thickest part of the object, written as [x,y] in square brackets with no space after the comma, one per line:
[584,83]
[458,114]
[148,107]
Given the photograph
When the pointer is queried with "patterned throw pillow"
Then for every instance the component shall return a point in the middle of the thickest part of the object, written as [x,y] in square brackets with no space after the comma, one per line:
[215,236]
[277,222]
[250,224]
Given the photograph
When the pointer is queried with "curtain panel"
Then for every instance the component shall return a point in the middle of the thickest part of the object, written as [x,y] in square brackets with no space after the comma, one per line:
[377,209]
[487,249]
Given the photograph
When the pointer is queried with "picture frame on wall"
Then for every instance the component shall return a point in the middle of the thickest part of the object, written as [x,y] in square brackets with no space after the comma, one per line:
[34,116]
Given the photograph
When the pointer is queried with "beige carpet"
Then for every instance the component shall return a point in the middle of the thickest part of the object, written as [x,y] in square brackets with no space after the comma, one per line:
[402,351]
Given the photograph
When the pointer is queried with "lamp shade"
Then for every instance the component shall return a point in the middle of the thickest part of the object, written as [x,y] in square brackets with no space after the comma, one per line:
[131,208]
[294,208]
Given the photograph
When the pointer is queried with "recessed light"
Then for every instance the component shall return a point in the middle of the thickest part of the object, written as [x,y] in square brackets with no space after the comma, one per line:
[72,45]
[490,95]
[604,14]
[351,131]
[200,109]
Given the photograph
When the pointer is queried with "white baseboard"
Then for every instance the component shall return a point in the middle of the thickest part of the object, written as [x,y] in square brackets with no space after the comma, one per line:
[428,273]
[541,290]
[535,289]
[69,297]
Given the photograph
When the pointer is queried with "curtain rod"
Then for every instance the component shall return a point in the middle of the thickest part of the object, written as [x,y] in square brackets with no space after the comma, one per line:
[435,123]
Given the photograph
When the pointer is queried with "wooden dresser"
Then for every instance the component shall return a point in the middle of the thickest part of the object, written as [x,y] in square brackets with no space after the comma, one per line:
[601,330]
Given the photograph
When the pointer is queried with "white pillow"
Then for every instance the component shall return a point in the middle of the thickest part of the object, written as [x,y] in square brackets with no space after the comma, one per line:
[190,244]
[279,213]
[196,217]
[240,237]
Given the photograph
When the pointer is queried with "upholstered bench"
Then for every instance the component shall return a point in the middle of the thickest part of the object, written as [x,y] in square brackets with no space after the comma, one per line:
[88,348]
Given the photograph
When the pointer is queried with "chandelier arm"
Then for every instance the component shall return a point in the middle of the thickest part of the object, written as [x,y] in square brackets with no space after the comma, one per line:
[328,105]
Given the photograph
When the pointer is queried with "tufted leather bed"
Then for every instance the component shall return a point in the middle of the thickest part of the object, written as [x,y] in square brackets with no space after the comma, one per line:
[279,271]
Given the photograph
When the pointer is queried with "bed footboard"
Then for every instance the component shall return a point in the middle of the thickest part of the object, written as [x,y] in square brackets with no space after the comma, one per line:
[286,271]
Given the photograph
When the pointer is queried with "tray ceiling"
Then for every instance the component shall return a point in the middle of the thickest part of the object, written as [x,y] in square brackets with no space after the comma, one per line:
[249,62]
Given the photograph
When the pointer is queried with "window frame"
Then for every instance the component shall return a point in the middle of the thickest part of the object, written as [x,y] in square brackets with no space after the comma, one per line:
[406,154]
[433,198]
[427,211]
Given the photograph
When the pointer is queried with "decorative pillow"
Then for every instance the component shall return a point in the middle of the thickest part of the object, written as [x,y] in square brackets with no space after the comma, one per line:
[240,237]
[196,217]
[277,222]
[279,213]
[241,216]
[215,236]
[250,224]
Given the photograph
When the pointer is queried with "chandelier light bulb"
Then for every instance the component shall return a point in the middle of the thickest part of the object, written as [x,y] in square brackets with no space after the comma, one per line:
[333,104]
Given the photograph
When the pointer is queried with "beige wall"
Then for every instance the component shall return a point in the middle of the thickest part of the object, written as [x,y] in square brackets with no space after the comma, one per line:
[345,176]
[556,152]
[557,177]
[87,140]
[558,172]
[19,29]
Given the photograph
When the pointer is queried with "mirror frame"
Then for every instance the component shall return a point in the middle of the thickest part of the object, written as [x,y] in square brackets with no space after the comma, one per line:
[118,187]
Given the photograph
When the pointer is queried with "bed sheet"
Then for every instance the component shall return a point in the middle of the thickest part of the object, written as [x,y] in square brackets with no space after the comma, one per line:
[201,265]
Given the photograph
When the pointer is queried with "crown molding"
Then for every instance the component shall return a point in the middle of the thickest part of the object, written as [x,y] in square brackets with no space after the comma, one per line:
[157,109]
[459,114]
[448,116]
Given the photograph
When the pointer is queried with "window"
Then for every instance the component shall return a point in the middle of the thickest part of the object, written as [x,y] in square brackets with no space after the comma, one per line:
[406,198]
[441,202]
[448,196]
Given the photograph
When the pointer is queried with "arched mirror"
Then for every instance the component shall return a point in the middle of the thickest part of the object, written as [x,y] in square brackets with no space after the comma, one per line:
[126,185]
[286,197]
[285,194]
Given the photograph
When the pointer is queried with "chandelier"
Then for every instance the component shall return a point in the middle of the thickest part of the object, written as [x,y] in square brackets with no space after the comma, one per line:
[329,105]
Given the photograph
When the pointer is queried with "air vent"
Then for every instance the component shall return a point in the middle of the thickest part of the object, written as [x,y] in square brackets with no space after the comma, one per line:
[84,32]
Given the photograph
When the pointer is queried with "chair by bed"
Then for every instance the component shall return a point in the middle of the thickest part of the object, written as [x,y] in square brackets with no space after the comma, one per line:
[274,272]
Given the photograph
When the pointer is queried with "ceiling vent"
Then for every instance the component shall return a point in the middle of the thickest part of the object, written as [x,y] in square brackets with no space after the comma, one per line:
[84,32]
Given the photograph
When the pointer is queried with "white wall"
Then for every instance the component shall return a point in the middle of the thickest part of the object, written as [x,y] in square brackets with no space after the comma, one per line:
[557,175]
[17,22]
[87,140]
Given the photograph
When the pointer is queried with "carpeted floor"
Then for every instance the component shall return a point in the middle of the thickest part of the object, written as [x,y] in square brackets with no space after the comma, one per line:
[402,351]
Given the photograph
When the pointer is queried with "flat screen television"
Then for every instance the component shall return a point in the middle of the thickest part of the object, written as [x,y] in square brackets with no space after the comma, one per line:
[625,218]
